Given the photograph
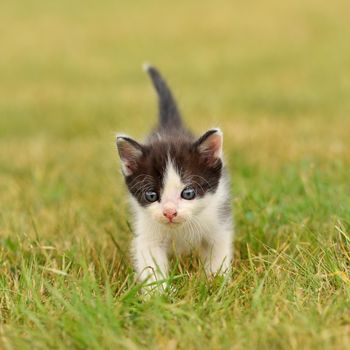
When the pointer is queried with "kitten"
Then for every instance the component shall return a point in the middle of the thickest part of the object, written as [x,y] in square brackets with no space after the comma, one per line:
[180,192]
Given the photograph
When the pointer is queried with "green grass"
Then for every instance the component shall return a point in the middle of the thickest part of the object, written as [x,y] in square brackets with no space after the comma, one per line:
[274,75]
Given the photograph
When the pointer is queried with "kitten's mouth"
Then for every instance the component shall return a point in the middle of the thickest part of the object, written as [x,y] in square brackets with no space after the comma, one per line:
[171,223]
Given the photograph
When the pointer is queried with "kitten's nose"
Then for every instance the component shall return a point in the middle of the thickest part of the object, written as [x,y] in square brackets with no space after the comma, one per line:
[170,214]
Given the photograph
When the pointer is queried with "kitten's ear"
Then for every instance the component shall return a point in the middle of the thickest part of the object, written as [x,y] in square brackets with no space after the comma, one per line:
[209,145]
[130,152]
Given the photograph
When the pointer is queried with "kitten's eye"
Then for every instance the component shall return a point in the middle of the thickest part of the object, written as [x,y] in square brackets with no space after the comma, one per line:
[188,193]
[151,196]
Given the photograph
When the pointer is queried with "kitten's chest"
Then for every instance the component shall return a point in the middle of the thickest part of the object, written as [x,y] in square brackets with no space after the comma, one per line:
[188,239]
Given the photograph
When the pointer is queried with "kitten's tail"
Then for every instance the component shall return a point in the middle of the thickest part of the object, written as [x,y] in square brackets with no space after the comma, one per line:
[169,115]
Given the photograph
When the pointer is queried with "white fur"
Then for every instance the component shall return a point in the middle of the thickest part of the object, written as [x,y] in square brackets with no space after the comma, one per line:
[198,224]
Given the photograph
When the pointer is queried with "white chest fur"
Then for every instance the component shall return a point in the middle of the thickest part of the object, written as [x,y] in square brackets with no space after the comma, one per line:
[208,230]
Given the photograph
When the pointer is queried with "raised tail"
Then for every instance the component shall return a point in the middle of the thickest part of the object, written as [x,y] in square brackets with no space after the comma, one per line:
[169,115]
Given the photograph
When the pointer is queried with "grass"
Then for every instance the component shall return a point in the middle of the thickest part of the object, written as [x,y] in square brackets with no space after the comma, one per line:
[273,75]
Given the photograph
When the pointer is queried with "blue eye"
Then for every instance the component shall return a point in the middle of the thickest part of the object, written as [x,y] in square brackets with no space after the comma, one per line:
[188,193]
[151,196]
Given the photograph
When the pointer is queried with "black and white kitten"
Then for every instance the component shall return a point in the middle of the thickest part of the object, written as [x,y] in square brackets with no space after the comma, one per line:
[179,190]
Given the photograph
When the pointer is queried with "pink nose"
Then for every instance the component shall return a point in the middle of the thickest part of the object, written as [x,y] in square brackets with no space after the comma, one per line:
[170,214]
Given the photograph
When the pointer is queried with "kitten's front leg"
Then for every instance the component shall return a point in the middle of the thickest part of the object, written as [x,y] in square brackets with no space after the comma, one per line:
[151,260]
[216,253]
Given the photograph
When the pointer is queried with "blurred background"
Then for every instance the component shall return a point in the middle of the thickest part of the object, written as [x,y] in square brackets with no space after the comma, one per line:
[274,75]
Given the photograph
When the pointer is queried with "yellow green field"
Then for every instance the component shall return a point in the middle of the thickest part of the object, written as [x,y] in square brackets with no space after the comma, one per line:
[273,75]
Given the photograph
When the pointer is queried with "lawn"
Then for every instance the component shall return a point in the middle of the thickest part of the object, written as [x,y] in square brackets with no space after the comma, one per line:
[273,75]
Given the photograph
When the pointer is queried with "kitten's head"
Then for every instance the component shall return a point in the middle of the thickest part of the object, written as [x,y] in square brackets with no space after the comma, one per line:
[172,177]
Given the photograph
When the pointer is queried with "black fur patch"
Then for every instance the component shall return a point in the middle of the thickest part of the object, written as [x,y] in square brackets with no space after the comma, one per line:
[190,163]
[171,140]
